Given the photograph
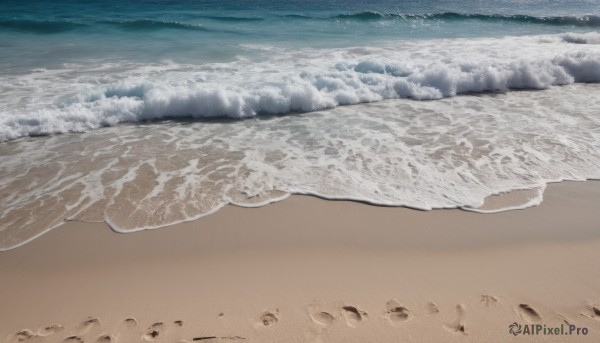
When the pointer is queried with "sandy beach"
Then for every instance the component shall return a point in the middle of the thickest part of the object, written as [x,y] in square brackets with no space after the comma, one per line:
[312,270]
[293,171]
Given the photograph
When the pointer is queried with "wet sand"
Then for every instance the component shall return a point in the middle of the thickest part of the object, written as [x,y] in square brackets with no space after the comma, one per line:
[311,270]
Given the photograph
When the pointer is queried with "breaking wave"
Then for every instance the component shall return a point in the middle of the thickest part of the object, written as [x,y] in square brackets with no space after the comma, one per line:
[582,38]
[327,85]
[59,26]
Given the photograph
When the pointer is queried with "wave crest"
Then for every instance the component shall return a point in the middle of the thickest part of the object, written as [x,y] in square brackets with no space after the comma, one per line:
[233,19]
[59,26]
[585,20]
[149,25]
[51,26]
[370,80]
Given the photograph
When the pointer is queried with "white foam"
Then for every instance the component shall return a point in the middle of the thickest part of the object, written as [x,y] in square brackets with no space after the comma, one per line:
[74,100]
[450,153]
[582,38]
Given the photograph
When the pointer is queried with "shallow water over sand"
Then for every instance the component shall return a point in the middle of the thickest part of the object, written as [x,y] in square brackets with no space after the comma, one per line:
[447,153]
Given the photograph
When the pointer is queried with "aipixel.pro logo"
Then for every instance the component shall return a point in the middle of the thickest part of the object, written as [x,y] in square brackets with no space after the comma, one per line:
[544,330]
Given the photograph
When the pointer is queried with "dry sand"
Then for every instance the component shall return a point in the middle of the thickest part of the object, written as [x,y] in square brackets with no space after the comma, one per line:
[310,270]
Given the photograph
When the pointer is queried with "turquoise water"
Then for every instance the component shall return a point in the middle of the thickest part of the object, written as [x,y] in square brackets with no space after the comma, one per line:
[79,65]
[43,33]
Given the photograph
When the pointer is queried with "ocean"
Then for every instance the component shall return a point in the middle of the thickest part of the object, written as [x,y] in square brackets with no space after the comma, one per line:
[142,114]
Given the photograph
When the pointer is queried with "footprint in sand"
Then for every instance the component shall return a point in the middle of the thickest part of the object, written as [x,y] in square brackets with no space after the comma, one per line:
[87,325]
[27,334]
[323,318]
[210,338]
[91,321]
[528,313]
[564,318]
[83,329]
[269,318]
[52,329]
[320,317]
[432,308]
[130,322]
[127,331]
[353,315]
[488,300]
[397,313]
[154,331]
[104,339]
[178,323]
[204,338]
[24,335]
[592,311]
[457,326]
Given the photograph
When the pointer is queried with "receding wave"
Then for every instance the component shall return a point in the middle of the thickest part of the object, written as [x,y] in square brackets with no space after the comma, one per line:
[586,20]
[447,153]
[431,154]
[40,26]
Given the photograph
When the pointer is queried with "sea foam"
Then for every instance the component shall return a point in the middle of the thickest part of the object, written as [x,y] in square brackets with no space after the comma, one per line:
[290,81]
[449,153]
[452,152]
[582,38]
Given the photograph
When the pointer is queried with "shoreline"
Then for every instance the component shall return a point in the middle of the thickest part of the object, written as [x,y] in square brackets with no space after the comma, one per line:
[311,270]
[151,176]
[513,200]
